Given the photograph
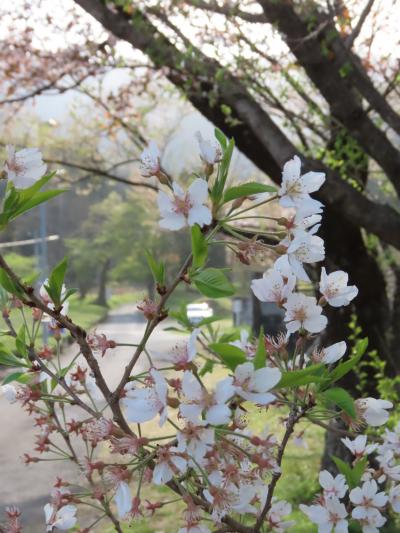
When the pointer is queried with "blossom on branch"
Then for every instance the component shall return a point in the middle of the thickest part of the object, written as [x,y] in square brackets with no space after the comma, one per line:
[184,208]
[24,167]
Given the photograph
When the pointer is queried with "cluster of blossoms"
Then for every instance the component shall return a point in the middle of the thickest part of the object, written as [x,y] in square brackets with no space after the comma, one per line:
[207,452]
[376,489]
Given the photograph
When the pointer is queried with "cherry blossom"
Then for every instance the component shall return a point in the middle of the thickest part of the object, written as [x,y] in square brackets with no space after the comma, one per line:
[24,167]
[225,497]
[276,284]
[210,151]
[394,498]
[195,440]
[334,487]
[143,404]
[334,288]
[374,411]
[302,312]
[9,392]
[370,520]
[304,248]
[279,509]
[184,353]
[150,160]
[200,400]
[359,446]
[305,219]
[63,518]
[331,516]
[168,463]
[367,500]
[296,188]
[123,499]
[185,208]
[244,344]
[330,354]
[253,385]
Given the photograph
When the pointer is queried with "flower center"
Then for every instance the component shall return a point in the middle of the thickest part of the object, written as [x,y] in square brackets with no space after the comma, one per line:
[182,205]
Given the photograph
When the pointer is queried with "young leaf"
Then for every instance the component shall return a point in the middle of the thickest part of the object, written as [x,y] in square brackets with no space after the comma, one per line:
[21,377]
[20,342]
[295,378]
[221,138]
[157,269]
[344,368]
[261,353]
[7,283]
[213,283]
[352,475]
[199,247]
[247,189]
[341,398]
[232,356]
[207,367]
[56,281]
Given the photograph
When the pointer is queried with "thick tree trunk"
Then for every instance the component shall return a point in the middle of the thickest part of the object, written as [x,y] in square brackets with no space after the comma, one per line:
[102,289]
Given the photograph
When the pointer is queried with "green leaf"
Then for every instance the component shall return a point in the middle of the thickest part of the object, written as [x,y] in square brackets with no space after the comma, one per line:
[38,199]
[352,475]
[344,368]
[7,283]
[157,269]
[199,247]
[208,320]
[232,356]
[68,293]
[219,185]
[21,377]
[247,189]
[206,368]
[20,342]
[56,281]
[213,283]
[261,353]
[9,359]
[341,398]
[221,138]
[295,378]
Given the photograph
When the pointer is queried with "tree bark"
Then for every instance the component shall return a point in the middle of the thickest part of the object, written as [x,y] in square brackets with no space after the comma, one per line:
[102,289]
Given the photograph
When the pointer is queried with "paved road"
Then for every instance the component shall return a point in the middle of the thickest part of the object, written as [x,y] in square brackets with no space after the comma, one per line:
[29,486]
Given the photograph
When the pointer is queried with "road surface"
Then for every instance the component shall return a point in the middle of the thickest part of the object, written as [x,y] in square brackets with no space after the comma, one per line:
[29,486]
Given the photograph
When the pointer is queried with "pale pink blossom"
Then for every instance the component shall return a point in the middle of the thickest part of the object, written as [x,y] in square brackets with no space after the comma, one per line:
[169,462]
[184,353]
[200,401]
[150,160]
[330,354]
[296,188]
[185,208]
[195,440]
[358,446]
[143,404]
[279,509]
[333,487]
[123,499]
[253,385]
[63,518]
[374,411]
[331,516]
[210,151]
[370,519]
[9,392]
[304,248]
[334,288]
[276,284]
[302,312]
[24,167]
[394,498]
[367,500]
